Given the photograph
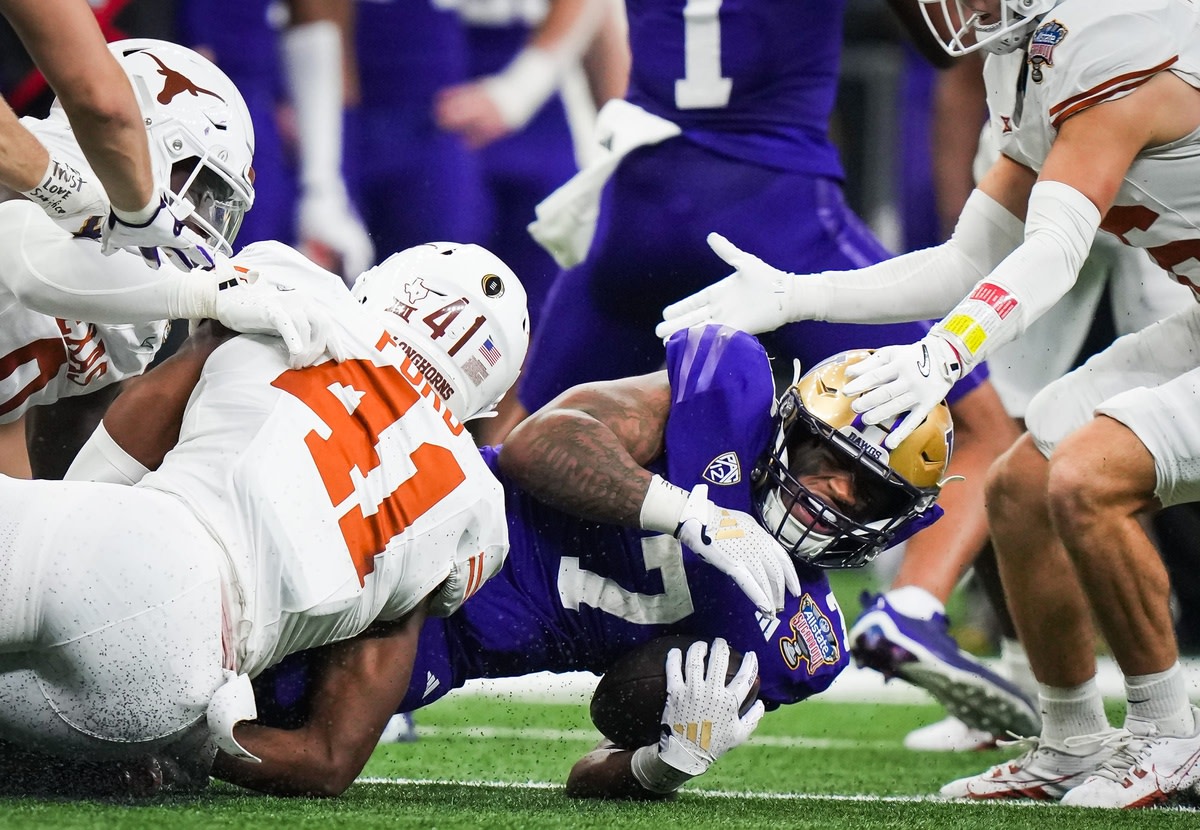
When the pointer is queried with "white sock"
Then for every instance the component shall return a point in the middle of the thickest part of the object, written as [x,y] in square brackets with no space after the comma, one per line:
[1071,712]
[912,601]
[1162,699]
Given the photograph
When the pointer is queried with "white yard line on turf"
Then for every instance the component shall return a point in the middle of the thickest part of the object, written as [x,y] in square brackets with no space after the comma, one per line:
[590,736]
[852,686]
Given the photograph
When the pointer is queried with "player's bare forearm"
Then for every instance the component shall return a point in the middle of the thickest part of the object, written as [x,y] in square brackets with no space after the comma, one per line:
[145,418]
[64,40]
[605,772]
[362,681]
[585,452]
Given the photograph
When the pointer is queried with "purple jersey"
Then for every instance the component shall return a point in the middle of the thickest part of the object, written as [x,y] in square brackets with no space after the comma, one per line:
[576,595]
[751,79]
[745,168]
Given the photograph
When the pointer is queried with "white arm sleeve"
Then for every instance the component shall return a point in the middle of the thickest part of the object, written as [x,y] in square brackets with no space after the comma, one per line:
[53,273]
[917,285]
[1059,230]
[103,459]
[312,60]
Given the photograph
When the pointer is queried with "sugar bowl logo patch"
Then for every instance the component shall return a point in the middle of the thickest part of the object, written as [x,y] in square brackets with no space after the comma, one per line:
[1041,47]
[813,642]
[724,470]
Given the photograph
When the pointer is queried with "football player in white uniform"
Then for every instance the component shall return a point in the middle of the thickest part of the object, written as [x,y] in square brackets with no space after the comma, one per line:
[1098,112]
[299,507]
[67,331]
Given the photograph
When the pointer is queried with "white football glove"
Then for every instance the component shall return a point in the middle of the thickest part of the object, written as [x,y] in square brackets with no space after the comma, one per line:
[734,543]
[156,232]
[66,194]
[700,721]
[897,379]
[250,305]
[755,298]
[332,234]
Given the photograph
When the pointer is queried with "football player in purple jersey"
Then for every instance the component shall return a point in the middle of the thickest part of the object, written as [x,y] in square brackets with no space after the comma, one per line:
[725,127]
[607,489]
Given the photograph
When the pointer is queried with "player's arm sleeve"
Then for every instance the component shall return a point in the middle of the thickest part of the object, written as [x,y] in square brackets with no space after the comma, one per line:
[1059,230]
[921,284]
[51,272]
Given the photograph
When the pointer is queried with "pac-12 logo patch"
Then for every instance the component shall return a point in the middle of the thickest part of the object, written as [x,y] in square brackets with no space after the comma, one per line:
[1041,47]
[724,470]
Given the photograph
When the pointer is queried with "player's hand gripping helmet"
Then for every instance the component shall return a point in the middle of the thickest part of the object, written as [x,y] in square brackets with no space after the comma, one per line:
[194,115]
[961,30]
[816,432]
[460,313]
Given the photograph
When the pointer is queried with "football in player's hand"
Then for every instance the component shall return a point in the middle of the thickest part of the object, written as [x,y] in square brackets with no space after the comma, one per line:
[628,703]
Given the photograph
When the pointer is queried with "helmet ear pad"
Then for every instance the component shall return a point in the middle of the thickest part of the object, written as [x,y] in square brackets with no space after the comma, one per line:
[459,312]
[200,132]
[816,425]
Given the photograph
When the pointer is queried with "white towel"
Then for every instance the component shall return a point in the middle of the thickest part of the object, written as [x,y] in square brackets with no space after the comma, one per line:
[566,219]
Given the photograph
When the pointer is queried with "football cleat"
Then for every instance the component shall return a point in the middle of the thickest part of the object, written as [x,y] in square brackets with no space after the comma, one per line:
[400,729]
[1040,773]
[923,653]
[1145,769]
[950,735]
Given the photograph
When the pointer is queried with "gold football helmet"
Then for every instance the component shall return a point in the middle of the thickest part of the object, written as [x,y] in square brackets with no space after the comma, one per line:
[894,490]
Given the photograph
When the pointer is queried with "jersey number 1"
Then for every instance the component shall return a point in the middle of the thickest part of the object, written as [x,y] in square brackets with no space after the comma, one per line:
[702,86]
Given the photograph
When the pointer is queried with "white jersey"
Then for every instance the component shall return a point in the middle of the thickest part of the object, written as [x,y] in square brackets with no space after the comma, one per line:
[1087,52]
[342,493]
[43,358]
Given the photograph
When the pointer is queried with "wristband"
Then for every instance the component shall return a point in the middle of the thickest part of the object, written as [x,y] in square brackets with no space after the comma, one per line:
[139,218]
[655,774]
[524,85]
[663,506]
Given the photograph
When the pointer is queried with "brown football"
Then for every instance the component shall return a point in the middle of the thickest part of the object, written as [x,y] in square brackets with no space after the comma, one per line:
[628,703]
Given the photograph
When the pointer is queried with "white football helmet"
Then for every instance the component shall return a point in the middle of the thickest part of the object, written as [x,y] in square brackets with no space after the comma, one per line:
[460,313]
[816,431]
[959,30]
[194,114]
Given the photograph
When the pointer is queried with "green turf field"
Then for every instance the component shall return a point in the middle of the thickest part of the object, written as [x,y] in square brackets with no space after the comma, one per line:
[496,763]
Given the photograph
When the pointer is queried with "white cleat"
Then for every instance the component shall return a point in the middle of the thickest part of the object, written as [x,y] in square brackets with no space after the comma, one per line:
[1040,773]
[950,735]
[1145,769]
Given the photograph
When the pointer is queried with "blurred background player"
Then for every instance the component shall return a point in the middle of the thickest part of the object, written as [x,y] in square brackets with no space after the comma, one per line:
[295,64]
[524,62]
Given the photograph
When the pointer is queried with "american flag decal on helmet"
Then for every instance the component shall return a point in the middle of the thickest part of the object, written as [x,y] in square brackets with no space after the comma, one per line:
[489,351]
[724,470]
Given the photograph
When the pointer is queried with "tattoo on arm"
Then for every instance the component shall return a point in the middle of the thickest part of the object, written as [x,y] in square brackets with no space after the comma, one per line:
[585,453]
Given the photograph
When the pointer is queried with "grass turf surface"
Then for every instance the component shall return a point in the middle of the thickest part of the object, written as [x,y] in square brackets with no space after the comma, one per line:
[487,762]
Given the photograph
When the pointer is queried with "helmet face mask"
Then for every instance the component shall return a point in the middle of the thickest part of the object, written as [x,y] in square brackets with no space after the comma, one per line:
[196,120]
[818,436]
[459,313]
[959,31]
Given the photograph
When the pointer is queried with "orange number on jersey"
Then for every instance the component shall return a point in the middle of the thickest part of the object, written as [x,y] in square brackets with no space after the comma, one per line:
[48,354]
[1120,220]
[384,396]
